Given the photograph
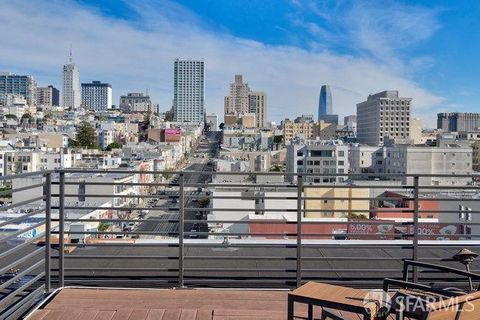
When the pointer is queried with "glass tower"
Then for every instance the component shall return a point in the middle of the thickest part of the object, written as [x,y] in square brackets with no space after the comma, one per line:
[325,102]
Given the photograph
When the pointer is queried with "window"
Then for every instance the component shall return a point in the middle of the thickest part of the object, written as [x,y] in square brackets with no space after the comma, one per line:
[300,162]
[341,153]
[341,163]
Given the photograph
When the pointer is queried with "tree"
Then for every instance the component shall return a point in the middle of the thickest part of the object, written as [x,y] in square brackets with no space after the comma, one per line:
[169,116]
[86,136]
[221,126]
[11,116]
[114,145]
[277,139]
[203,202]
[167,174]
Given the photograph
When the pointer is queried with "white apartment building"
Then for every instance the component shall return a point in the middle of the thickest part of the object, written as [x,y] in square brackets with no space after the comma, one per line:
[448,158]
[318,156]
[97,96]
[71,94]
[56,160]
[105,137]
[383,115]
[189,91]
[212,121]
[19,161]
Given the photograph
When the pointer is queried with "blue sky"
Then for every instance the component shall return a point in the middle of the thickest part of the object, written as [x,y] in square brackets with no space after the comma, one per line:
[425,49]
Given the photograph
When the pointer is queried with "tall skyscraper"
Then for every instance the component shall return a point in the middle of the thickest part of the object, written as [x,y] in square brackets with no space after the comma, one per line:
[458,121]
[325,108]
[189,91]
[383,115]
[97,96]
[48,96]
[241,101]
[71,97]
[237,101]
[23,85]
[257,104]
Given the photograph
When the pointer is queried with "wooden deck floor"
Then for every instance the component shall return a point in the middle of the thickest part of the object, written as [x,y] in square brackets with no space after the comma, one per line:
[115,304]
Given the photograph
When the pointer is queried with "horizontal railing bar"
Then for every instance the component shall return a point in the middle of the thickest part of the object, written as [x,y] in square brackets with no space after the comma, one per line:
[240,270]
[113,183]
[11,191]
[21,203]
[20,260]
[13,235]
[13,294]
[22,306]
[129,244]
[24,175]
[119,232]
[120,257]
[21,246]
[123,269]
[20,218]
[21,274]
[257,173]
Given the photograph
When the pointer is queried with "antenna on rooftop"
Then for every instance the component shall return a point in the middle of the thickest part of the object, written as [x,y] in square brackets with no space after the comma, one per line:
[70,59]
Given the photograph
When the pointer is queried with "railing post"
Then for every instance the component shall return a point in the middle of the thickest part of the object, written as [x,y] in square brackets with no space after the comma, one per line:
[181,226]
[48,226]
[61,234]
[299,230]
[415,225]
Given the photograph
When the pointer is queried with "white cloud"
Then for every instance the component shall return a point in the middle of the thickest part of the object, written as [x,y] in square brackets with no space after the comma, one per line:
[136,55]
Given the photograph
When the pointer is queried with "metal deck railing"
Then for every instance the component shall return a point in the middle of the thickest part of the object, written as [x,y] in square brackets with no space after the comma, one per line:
[127,228]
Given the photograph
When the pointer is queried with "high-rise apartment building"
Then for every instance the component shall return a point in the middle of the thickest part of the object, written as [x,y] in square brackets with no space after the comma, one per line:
[71,95]
[97,96]
[325,107]
[237,100]
[48,96]
[458,121]
[23,85]
[189,91]
[136,102]
[257,104]
[241,101]
[383,115]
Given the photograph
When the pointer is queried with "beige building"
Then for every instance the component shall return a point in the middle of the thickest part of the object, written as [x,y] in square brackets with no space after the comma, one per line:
[248,121]
[241,100]
[257,104]
[416,130]
[325,131]
[237,100]
[293,129]
[476,156]
[340,208]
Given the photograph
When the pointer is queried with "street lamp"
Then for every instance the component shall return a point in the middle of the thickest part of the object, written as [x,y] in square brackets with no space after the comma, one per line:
[466,257]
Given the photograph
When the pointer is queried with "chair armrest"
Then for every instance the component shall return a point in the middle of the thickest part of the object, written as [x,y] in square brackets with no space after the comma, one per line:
[411,285]
[407,263]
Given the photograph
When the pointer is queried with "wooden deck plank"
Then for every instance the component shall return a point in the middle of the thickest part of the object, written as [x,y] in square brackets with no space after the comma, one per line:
[155,314]
[105,314]
[122,314]
[204,314]
[172,314]
[39,314]
[138,314]
[188,314]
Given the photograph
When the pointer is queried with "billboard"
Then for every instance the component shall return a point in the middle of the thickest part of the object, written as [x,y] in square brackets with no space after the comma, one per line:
[173,135]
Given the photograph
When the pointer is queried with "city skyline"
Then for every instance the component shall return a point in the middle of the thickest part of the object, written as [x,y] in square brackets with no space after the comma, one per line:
[274,65]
